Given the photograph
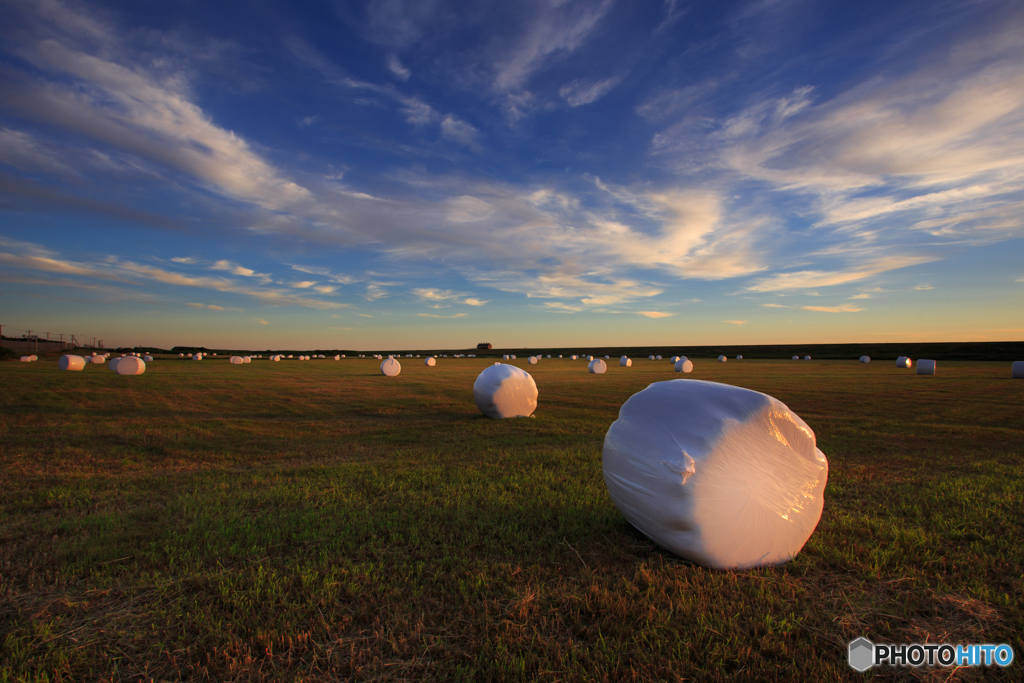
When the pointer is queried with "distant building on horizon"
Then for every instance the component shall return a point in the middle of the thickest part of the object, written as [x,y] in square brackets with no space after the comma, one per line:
[483,347]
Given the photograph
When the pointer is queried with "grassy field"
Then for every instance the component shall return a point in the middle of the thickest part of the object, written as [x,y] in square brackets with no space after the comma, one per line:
[317,521]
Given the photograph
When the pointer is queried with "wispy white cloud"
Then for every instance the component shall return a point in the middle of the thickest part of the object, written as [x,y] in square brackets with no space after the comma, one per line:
[842,308]
[811,279]
[654,314]
[433,294]
[581,92]
[184,259]
[459,131]
[431,315]
[774,306]
[397,69]
[923,287]
[735,322]
[260,321]
[474,302]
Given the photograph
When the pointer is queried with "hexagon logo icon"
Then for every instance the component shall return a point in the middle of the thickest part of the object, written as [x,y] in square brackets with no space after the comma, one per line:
[862,654]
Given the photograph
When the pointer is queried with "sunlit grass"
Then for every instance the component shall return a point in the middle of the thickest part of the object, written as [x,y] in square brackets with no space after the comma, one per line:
[315,520]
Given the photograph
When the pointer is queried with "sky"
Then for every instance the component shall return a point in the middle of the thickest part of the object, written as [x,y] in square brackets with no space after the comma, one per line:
[433,173]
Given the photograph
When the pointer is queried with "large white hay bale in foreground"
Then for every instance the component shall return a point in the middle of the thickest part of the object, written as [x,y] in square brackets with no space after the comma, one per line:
[719,475]
[131,366]
[926,367]
[1017,369]
[722,359]
[235,360]
[626,362]
[429,361]
[684,365]
[532,360]
[597,367]
[903,362]
[390,367]
[502,391]
[865,359]
[71,362]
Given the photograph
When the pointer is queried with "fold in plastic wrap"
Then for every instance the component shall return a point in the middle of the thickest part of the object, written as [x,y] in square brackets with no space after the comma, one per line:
[719,475]
[505,391]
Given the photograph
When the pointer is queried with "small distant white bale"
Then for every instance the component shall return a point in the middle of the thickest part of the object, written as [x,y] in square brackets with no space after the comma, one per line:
[390,368]
[430,362]
[502,391]
[342,355]
[513,356]
[673,360]
[504,357]
[246,359]
[903,362]
[717,474]
[197,357]
[739,357]
[722,359]
[626,362]
[926,367]
[235,360]
[865,359]
[131,366]
[180,355]
[337,358]
[114,363]
[559,355]
[650,357]
[148,359]
[70,362]
[597,367]
[289,355]
[684,365]
[590,358]
[573,357]
[549,356]
[1017,369]
[796,357]
[26,359]
[276,359]
[607,357]
[99,360]
[657,357]
[532,360]
[807,357]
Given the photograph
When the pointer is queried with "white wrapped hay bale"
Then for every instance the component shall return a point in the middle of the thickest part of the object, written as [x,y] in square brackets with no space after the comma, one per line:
[903,362]
[719,475]
[148,358]
[25,359]
[235,360]
[926,367]
[1017,369]
[390,367]
[71,362]
[131,366]
[114,363]
[626,362]
[673,360]
[276,359]
[180,355]
[684,365]
[502,391]
[650,357]
[532,360]
[722,359]
[865,359]
[337,358]
[197,357]
[796,357]
[246,359]
[33,358]
[739,357]
[607,357]
[807,357]
[98,360]
[573,357]
[657,357]
[429,361]
[597,367]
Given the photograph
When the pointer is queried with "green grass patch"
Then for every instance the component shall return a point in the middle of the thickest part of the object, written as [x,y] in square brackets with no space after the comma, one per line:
[318,521]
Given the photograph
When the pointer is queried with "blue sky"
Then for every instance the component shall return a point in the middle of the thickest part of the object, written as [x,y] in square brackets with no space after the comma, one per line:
[415,174]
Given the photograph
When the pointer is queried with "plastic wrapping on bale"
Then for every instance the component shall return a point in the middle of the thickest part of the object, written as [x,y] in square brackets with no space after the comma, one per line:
[98,360]
[113,363]
[597,367]
[626,362]
[532,360]
[719,475]
[722,359]
[573,357]
[246,359]
[796,357]
[739,357]
[865,359]
[684,365]
[148,359]
[235,360]
[429,362]
[807,357]
[502,391]
[71,362]
[903,362]
[1017,369]
[131,366]
[390,368]
[25,359]
[650,357]
[926,367]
